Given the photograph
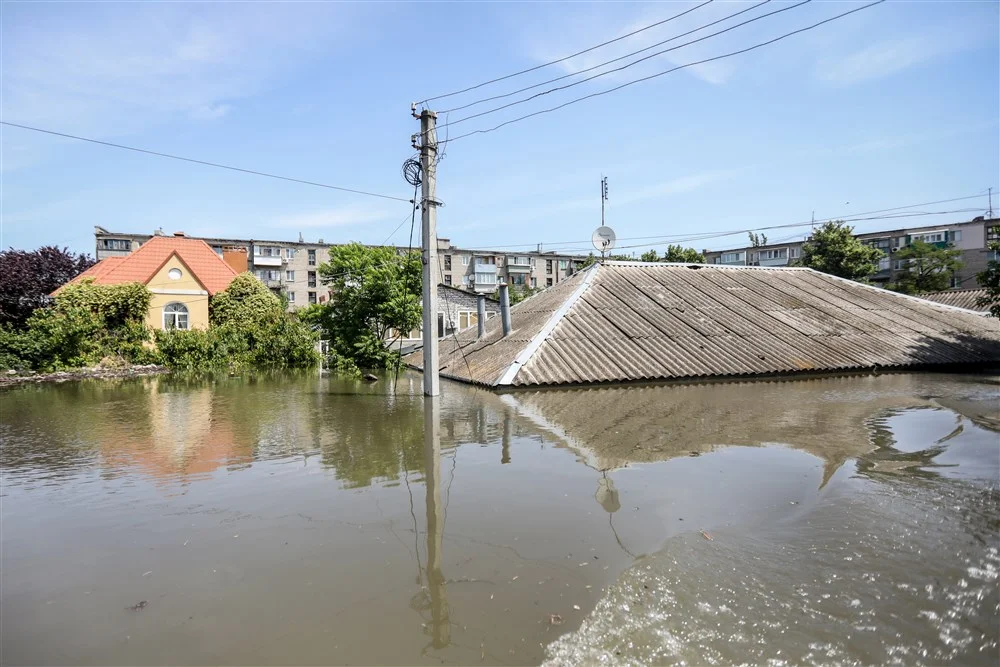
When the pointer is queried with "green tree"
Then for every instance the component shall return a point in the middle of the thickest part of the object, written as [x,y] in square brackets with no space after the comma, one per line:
[373,290]
[990,280]
[676,253]
[757,240]
[928,268]
[650,256]
[833,249]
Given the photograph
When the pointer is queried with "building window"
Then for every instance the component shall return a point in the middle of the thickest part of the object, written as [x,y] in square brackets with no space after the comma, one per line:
[290,253]
[291,297]
[793,253]
[175,316]
[290,276]
[563,264]
[486,279]
[485,261]
[884,263]
[312,297]
[447,262]
[956,235]
[116,244]
[267,275]
[217,249]
[465,260]
[731,257]
[548,282]
[312,258]
[779,253]
[534,283]
[518,261]
[532,262]
[266,251]
[174,274]
[312,278]
[465,280]
[548,268]
[993,233]
[518,279]
[447,279]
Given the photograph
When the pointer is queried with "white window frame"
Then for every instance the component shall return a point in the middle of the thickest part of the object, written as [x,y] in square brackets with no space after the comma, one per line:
[180,311]
[291,297]
[290,253]
[312,257]
[465,260]
[290,276]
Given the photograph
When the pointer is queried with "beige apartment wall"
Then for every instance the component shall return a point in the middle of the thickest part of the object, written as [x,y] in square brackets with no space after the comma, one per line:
[186,289]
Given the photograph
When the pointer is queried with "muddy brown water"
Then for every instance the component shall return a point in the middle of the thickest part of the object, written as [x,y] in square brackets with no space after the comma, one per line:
[305,520]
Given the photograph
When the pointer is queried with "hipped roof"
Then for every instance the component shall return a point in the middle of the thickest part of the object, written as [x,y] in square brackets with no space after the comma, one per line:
[640,322]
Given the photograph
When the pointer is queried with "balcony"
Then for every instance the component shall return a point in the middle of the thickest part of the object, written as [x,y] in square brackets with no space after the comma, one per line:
[486,268]
[265,260]
[516,268]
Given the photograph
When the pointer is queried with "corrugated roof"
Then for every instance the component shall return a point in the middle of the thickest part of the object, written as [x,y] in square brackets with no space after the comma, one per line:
[634,322]
[140,266]
[960,298]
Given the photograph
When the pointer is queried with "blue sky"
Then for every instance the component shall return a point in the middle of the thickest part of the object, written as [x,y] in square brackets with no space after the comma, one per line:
[895,105]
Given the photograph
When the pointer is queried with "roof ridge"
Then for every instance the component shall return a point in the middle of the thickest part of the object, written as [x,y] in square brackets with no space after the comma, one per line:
[535,343]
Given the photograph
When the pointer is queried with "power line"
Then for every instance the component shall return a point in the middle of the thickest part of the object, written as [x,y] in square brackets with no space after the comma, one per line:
[204,162]
[674,69]
[627,55]
[675,238]
[554,62]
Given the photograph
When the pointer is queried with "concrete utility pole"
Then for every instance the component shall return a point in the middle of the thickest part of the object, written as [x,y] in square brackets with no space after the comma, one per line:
[428,224]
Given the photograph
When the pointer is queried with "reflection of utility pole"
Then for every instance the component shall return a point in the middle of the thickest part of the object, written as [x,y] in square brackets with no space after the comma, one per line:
[505,443]
[440,615]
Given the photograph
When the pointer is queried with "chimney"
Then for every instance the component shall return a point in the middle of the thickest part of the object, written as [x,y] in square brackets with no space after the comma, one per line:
[505,309]
[158,232]
[179,234]
[481,311]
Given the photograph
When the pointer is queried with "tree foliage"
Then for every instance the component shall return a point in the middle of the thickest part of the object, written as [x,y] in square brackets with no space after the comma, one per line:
[373,290]
[28,277]
[990,280]
[757,240]
[833,249]
[928,268]
[650,256]
[676,253]
[84,324]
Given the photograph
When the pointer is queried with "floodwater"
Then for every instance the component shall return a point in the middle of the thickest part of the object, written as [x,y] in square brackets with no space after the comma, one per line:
[306,520]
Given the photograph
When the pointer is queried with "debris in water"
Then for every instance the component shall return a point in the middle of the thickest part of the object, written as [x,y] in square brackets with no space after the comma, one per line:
[141,604]
[577,607]
[555,619]
[146,574]
[515,577]
[369,377]
[707,536]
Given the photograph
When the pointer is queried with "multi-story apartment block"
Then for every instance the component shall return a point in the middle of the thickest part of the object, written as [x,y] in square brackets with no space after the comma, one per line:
[290,267]
[972,238]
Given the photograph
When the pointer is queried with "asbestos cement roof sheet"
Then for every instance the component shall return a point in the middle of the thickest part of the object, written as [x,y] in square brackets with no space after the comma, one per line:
[621,322]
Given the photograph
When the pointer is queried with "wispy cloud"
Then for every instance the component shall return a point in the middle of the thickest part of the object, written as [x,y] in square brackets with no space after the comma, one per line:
[878,60]
[344,216]
[115,69]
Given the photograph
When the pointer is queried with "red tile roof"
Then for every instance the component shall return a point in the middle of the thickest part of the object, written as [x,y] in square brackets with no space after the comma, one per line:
[139,267]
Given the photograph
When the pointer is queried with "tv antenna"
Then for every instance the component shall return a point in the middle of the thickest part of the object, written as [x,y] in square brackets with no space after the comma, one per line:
[604,196]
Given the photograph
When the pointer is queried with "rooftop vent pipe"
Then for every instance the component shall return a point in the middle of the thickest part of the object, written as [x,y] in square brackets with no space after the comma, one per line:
[505,309]
[481,312]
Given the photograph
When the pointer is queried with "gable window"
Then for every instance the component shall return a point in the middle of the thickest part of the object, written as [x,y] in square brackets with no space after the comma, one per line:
[175,316]
[174,274]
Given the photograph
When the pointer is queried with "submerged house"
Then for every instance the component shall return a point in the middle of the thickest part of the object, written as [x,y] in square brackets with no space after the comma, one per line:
[621,322]
[180,272]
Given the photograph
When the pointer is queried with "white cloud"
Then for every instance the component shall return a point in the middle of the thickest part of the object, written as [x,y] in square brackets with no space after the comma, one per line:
[116,69]
[878,60]
[344,216]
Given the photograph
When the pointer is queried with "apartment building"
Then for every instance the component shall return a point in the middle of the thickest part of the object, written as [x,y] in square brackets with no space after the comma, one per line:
[972,238]
[290,267]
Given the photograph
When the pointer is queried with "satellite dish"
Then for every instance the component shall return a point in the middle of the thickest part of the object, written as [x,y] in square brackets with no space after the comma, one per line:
[603,238]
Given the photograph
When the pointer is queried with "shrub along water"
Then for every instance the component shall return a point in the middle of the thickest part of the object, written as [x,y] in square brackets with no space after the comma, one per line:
[87,323]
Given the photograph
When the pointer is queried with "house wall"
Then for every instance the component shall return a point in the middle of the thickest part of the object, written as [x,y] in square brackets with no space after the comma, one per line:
[186,290]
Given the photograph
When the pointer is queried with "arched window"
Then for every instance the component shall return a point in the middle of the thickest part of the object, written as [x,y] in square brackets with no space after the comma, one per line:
[175,316]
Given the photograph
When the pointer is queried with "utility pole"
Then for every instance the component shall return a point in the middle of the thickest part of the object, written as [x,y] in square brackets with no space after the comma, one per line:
[990,194]
[428,225]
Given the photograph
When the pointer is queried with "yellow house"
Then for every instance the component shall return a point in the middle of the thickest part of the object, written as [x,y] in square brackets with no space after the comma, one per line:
[180,272]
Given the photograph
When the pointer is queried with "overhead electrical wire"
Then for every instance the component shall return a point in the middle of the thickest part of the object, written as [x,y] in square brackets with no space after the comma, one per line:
[565,58]
[627,55]
[204,162]
[673,69]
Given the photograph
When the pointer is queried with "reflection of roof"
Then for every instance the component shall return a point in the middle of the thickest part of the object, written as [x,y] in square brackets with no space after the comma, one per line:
[635,321]
[960,298]
[611,427]
[139,267]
